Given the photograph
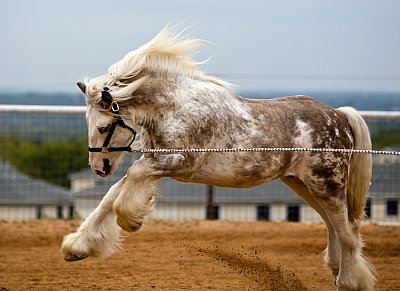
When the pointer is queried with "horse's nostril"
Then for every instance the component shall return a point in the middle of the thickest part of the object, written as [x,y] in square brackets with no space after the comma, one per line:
[100,173]
[106,166]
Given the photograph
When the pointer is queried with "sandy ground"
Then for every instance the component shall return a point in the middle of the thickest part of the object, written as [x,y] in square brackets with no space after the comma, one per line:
[206,255]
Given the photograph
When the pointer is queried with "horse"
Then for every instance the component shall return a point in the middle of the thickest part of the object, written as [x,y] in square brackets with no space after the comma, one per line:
[157,97]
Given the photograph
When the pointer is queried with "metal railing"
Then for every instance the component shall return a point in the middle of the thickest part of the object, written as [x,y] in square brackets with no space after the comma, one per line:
[60,109]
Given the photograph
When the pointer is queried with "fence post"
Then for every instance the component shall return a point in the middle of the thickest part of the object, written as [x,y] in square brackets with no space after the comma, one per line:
[210,202]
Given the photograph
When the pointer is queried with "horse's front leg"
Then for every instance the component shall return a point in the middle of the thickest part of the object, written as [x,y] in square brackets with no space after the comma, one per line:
[138,193]
[99,234]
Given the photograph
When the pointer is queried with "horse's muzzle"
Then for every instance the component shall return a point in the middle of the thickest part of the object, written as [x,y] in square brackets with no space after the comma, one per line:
[105,170]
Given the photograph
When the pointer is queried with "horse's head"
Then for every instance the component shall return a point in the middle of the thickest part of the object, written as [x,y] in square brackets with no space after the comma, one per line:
[146,81]
[109,136]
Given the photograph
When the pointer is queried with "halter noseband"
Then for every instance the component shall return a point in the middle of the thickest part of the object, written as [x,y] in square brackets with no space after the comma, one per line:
[107,99]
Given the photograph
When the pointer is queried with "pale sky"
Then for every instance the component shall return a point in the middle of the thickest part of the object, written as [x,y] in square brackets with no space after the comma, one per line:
[269,45]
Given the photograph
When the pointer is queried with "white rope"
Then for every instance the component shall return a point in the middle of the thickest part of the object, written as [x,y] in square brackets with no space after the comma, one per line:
[234,150]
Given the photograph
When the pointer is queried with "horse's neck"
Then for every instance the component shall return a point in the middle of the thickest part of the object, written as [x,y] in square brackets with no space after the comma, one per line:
[162,97]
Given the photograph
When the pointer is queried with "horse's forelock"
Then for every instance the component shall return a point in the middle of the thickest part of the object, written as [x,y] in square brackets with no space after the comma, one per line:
[95,86]
[125,93]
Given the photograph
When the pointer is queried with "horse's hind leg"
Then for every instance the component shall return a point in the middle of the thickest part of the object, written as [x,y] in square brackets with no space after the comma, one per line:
[355,272]
[343,254]
[332,251]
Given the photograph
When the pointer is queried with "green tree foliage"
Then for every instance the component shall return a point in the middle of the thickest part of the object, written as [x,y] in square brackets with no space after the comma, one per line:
[384,139]
[384,134]
[47,160]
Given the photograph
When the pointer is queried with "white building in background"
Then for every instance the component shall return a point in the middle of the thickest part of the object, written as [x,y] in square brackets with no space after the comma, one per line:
[25,198]
[273,201]
[184,201]
[384,195]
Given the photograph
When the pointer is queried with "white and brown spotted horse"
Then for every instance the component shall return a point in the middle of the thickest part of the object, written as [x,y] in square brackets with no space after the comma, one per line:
[159,92]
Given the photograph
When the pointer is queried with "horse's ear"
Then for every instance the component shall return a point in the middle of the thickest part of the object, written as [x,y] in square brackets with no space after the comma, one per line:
[82,86]
[106,98]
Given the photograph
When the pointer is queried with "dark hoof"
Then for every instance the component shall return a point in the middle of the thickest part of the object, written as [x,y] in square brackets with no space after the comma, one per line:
[71,258]
[129,227]
[136,227]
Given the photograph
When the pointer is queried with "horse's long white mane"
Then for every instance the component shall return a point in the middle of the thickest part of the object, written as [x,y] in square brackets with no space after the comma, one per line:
[169,53]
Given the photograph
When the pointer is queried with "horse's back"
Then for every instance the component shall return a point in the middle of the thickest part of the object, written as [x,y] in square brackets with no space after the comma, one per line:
[301,121]
[295,121]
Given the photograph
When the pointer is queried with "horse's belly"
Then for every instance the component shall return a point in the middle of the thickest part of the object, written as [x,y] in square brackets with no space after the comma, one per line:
[226,181]
[240,170]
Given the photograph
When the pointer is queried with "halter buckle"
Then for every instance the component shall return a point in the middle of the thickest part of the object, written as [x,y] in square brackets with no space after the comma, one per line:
[114,106]
[104,149]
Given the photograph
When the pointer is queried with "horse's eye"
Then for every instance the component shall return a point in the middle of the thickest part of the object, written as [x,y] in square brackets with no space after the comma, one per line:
[104,129]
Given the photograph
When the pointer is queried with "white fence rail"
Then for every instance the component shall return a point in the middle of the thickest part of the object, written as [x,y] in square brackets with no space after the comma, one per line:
[368,115]
[51,109]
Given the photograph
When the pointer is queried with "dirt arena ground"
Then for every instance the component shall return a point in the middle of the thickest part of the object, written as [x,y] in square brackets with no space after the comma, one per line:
[206,255]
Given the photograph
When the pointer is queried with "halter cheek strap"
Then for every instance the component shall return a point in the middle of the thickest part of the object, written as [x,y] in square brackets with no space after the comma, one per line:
[118,121]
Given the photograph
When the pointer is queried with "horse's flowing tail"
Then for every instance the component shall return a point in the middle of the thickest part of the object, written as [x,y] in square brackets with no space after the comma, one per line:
[360,164]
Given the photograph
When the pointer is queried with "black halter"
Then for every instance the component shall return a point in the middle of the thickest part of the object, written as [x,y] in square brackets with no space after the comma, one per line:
[107,99]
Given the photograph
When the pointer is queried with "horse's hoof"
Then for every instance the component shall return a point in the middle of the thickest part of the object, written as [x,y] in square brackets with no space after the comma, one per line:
[136,227]
[129,226]
[71,257]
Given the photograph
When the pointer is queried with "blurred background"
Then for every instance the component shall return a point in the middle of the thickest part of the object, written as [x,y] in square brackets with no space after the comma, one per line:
[340,52]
